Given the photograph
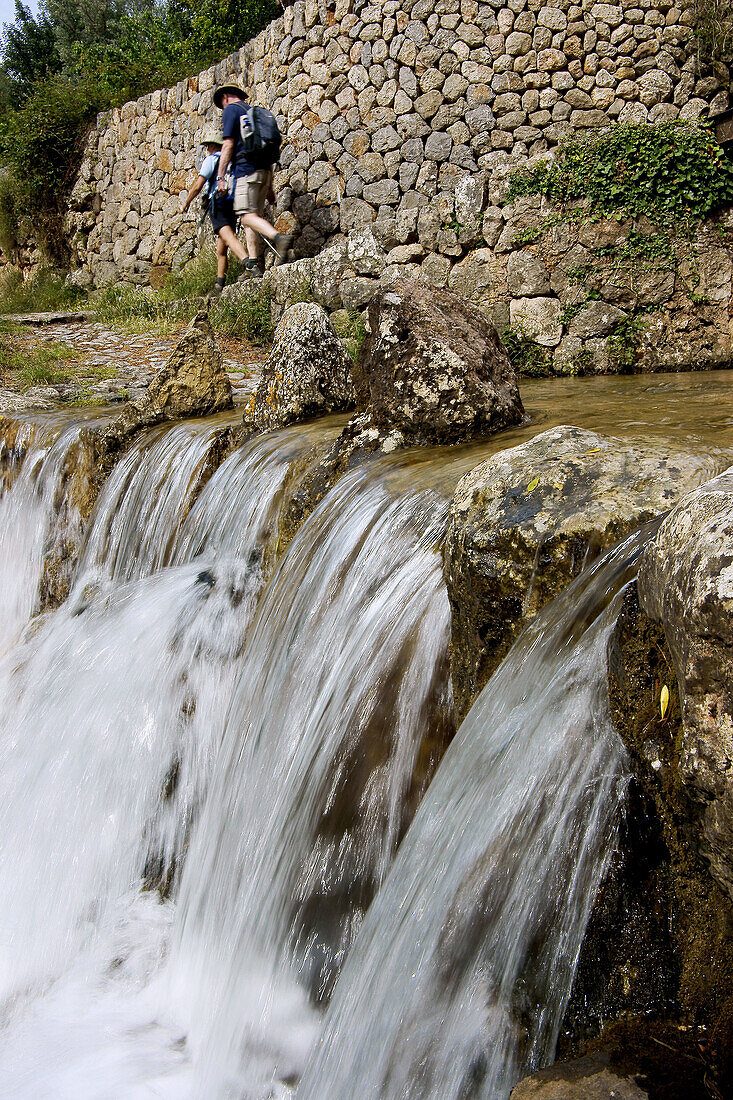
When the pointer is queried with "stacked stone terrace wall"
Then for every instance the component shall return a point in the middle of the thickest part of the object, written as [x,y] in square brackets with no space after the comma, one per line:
[404,117]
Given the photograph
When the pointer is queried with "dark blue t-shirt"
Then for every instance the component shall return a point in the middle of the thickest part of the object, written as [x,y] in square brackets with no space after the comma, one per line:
[230,128]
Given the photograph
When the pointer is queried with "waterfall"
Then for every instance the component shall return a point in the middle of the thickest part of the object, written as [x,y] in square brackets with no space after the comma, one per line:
[113,718]
[27,508]
[461,972]
[144,501]
[345,671]
[213,807]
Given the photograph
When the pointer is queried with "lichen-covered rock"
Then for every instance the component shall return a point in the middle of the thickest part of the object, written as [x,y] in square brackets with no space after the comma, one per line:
[434,368]
[584,1079]
[11,402]
[193,382]
[524,524]
[307,374]
[686,584]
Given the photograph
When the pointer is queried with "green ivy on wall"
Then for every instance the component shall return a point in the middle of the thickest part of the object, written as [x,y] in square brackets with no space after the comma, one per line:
[673,173]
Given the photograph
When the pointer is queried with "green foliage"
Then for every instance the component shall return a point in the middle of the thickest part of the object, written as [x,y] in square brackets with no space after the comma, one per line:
[656,249]
[624,343]
[713,28]
[675,174]
[529,235]
[350,327]
[79,57]
[195,278]
[9,229]
[46,290]
[526,355]
[141,309]
[248,315]
[29,53]
[41,145]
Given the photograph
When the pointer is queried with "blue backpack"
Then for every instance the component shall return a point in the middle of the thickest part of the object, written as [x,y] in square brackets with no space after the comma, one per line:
[261,137]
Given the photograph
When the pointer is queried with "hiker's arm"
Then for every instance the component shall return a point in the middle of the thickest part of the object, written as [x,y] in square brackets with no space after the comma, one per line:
[226,155]
[195,190]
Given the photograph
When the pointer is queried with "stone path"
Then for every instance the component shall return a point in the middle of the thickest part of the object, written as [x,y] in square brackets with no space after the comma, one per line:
[112,366]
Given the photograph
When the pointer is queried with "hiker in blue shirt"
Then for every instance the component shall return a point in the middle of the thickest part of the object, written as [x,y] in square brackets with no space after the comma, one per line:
[220,209]
[252,184]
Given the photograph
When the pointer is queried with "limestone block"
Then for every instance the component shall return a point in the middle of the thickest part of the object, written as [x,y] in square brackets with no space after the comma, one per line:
[307,373]
[654,86]
[364,254]
[595,319]
[522,524]
[538,319]
[527,275]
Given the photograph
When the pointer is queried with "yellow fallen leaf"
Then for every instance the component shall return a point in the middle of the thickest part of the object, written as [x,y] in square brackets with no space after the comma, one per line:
[593,451]
[533,485]
[664,700]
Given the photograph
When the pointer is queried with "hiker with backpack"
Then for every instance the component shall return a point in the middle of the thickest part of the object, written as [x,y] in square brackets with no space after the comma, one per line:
[251,147]
[219,208]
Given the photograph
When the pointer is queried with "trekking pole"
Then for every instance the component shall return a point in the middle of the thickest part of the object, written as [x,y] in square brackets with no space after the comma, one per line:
[269,244]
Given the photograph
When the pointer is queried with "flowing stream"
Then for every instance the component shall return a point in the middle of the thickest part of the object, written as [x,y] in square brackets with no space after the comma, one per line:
[228,865]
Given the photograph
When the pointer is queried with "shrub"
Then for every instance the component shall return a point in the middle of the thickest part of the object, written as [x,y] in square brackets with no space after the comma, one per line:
[526,355]
[247,315]
[140,308]
[196,278]
[46,289]
[675,174]
[41,145]
[350,327]
[8,216]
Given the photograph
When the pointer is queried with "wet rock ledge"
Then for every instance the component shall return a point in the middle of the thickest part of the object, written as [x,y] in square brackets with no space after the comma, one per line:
[655,974]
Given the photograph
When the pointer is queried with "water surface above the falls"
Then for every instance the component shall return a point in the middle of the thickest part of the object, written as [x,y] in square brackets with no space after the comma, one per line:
[691,412]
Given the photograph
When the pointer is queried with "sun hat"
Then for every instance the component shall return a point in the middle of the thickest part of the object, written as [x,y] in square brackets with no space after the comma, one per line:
[223,88]
[212,136]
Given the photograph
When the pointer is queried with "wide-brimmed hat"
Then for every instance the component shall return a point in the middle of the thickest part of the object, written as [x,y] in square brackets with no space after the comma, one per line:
[234,89]
[212,136]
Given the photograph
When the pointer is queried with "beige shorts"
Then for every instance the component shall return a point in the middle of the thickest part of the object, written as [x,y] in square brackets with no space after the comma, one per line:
[250,192]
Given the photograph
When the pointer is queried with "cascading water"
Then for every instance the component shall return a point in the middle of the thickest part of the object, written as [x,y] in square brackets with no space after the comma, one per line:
[345,669]
[145,500]
[111,715]
[256,749]
[26,514]
[459,977]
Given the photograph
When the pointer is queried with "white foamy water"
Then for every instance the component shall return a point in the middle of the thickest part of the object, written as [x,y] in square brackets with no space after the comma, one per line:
[351,634]
[116,710]
[27,511]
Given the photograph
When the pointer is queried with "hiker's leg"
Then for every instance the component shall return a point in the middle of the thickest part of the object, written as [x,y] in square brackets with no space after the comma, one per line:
[232,242]
[221,256]
[256,224]
[253,243]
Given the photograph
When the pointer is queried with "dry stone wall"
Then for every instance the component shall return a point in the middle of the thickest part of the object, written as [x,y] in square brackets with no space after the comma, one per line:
[402,117]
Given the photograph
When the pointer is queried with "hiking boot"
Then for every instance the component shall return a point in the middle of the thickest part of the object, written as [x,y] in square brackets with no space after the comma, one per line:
[215,291]
[251,269]
[282,244]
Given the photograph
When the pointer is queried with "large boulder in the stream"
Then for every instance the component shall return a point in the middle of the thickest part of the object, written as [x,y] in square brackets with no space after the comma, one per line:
[685,583]
[525,523]
[671,693]
[433,368]
[307,374]
[589,1078]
